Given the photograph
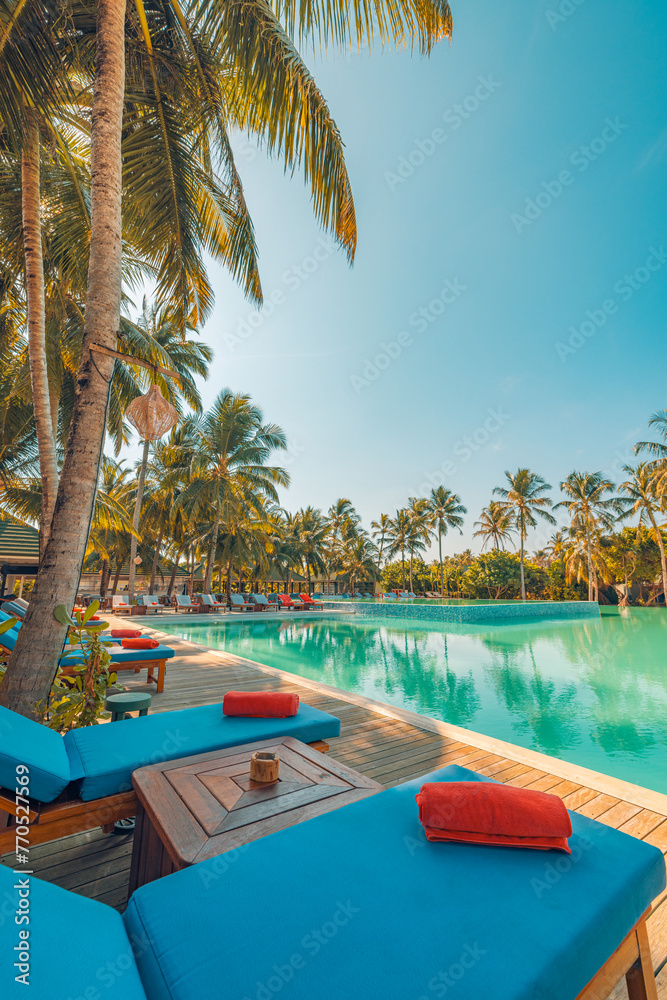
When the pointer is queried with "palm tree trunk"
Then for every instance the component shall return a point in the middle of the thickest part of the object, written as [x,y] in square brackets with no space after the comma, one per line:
[174,570]
[590,566]
[155,560]
[135,520]
[229,577]
[35,658]
[36,323]
[211,553]
[411,587]
[119,569]
[661,546]
[442,572]
[523,582]
[403,567]
[104,580]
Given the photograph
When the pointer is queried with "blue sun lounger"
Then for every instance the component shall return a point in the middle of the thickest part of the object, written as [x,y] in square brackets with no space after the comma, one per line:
[356,904]
[84,780]
[121,659]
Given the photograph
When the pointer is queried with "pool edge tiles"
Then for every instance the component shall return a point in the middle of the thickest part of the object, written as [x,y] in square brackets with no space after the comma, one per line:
[496,613]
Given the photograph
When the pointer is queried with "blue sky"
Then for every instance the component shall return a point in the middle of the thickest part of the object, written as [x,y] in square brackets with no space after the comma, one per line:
[510,284]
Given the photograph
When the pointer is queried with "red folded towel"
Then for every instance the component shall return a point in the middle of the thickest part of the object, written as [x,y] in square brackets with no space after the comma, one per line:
[125,633]
[480,812]
[260,704]
[139,643]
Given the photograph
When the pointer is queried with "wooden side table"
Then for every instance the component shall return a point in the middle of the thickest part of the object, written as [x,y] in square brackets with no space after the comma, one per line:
[198,807]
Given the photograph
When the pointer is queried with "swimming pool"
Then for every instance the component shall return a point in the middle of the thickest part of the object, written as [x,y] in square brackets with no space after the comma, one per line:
[589,691]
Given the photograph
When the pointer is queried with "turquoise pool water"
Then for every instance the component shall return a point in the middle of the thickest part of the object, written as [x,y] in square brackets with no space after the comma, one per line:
[592,692]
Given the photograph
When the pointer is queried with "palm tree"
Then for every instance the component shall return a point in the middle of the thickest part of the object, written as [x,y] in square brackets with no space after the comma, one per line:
[525,499]
[642,488]
[159,338]
[494,525]
[590,510]
[444,511]
[397,536]
[228,471]
[379,531]
[419,535]
[33,78]
[273,95]
[312,531]
[358,560]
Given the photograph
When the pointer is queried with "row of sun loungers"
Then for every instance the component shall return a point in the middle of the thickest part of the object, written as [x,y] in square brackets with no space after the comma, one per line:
[184,603]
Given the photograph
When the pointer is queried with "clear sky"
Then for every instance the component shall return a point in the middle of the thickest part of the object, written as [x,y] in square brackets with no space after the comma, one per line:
[508,301]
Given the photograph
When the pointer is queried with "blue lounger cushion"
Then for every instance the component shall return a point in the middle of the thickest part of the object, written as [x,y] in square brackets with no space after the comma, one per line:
[79,949]
[360,905]
[127,655]
[23,741]
[104,757]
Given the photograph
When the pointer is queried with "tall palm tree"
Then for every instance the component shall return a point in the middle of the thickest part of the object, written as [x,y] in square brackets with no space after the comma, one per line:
[379,532]
[159,338]
[647,499]
[358,560]
[525,497]
[228,470]
[419,535]
[444,511]
[495,525]
[33,79]
[590,509]
[312,533]
[397,536]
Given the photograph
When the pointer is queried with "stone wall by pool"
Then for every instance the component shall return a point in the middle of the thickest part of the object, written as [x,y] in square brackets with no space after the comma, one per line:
[468,612]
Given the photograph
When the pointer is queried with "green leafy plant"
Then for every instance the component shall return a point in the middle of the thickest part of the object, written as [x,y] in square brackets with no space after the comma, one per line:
[80,689]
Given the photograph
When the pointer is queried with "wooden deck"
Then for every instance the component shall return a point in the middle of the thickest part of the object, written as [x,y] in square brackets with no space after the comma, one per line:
[384,743]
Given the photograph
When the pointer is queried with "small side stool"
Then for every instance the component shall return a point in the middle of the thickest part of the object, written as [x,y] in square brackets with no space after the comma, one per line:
[120,705]
[127,701]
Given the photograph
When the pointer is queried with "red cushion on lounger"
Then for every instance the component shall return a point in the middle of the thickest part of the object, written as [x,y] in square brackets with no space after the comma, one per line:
[260,704]
[125,633]
[480,812]
[139,643]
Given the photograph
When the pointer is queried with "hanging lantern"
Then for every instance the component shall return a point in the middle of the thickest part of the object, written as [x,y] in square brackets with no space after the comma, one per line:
[137,560]
[151,415]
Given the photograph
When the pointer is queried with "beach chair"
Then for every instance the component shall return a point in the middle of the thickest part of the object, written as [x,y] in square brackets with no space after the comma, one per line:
[209,601]
[84,780]
[183,602]
[380,913]
[237,603]
[275,602]
[286,601]
[120,605]
[150,602]
[121,659]
[260,602]
[309,604]
[368,596]
[14,610]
